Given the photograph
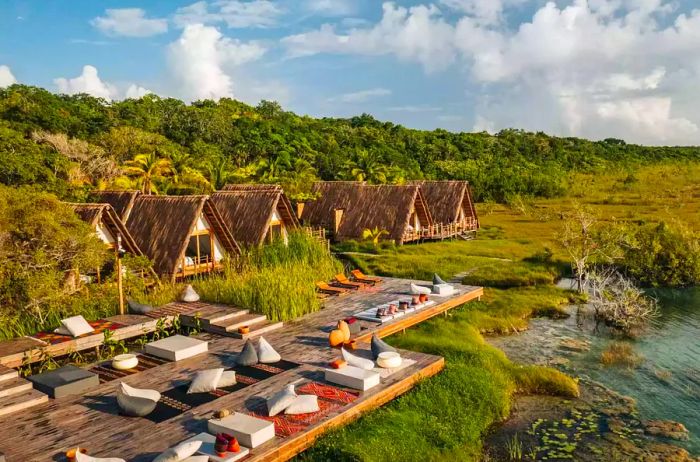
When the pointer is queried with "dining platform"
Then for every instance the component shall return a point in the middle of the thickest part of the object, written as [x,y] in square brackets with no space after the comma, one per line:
[92,419]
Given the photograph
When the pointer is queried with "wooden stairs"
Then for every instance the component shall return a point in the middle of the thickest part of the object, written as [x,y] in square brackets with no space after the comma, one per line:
[226,321]
[16,393]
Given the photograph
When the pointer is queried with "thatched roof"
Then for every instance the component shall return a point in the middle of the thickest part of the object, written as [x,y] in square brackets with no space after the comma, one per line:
[93,214]
[331,195]
[162,225]
[385,207]
[445,198]
[121,201]
[248,209]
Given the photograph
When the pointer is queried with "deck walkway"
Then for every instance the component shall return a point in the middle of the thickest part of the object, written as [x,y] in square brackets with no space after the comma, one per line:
[47,430]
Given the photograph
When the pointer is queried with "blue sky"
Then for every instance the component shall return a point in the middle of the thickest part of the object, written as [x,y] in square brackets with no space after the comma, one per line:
[596,68]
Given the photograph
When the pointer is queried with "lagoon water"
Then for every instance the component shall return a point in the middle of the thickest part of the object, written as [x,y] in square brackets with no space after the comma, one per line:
[667,383]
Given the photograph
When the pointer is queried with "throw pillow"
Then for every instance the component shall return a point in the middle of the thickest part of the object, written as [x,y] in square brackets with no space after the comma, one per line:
[356,361]
[281,400]
[303,404]
[228,379]
[205,381]
[417,290]
[77,326]
[267,354]
[180,452]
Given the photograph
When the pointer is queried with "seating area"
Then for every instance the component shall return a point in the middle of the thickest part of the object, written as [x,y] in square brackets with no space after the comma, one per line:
[219,397]
[342,285]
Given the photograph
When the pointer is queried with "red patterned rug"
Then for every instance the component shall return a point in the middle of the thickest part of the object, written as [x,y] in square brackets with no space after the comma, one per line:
[330,398]
[100,326]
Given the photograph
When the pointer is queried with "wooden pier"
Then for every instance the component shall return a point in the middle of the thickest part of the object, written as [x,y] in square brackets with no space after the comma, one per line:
[48,430]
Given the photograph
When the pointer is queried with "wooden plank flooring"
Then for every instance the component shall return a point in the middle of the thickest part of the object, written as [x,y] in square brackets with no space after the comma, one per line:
[47,430]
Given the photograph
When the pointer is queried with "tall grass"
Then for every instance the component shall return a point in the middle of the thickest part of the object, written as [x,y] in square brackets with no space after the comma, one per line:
[276,280]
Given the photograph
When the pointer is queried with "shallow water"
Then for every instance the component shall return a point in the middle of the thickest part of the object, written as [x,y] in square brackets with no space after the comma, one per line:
[667,383]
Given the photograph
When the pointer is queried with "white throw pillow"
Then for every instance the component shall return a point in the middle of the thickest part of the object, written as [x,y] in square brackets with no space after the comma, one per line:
[77,326]
[356,361]
[80,457]
[228,379]
[206,381]
[281,400]
[61,330]
[267,354]
[180,452]
[303,404]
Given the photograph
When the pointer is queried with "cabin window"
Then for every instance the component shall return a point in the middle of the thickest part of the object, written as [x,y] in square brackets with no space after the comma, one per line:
[276,232]
[199,250]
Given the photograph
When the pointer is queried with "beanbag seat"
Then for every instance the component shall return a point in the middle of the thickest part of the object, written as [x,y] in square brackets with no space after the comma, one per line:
[303,404]
[356,361]
[267,354]
[418,290]
[228,379]
[380,346]
[189,295]
[248,356]
[80,457]
[136,402]
[206,380]
[437,280]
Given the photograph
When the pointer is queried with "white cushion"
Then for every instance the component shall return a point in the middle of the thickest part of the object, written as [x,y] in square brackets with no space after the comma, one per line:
[197,459]
[80,457]
[352,360]
[205,381]
[189,295]
[267,354]
[417,290]
[153,395]
[228,378]
[180,452]
[281,400]
[77,326]
[303,404]
[61,330]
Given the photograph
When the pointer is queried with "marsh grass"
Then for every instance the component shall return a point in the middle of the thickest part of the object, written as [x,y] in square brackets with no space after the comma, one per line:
[621,354]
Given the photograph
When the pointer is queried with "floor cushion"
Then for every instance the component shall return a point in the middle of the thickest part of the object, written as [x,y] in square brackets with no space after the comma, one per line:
[380,346]
[228,379]
[267,354]
[180,452]
[136,402]
[356,361]
[437,280]
[281,400]
[80,457]
[303,404]
[138,308]
[206,380]
[189,295]
[248,356]
[77,326]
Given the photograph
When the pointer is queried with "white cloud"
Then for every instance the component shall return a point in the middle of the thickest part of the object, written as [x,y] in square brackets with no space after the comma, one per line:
[234,13]
[88,82]
[412,34]
[595,68]
[134,91]
[199,61]
[360,96]
[129,22]
[415,109]
[6,77]
[331,7]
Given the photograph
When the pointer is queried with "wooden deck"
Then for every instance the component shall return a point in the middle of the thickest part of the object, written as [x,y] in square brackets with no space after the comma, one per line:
[47,430]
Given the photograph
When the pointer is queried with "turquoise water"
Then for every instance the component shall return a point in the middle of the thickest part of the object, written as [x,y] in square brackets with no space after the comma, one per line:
[666,385]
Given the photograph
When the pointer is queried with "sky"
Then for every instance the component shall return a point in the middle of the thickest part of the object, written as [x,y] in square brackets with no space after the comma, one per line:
[625,69]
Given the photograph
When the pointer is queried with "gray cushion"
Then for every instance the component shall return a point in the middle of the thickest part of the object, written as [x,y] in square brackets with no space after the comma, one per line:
[248,356]
[139,308]
[135,406]
[380,346]
[437,280]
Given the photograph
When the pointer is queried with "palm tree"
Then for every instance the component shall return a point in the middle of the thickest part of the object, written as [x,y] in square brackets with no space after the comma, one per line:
[219,172]
[147,167]
[366,166]
[374,235]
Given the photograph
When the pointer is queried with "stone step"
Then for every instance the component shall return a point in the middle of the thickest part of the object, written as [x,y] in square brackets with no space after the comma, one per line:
[258,329]
[232,325]
[212,315]
[21,401]
[14,386]
[7,374]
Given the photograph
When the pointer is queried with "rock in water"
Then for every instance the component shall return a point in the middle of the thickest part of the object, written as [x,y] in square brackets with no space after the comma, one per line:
[666,429]
[189,295]
[437,280]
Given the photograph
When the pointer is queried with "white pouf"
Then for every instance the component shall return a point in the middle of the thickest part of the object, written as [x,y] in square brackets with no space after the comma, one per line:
[418,290]
[189,295]
[125,361]
[176,348]
[250,431]
[389,360]
[353,377]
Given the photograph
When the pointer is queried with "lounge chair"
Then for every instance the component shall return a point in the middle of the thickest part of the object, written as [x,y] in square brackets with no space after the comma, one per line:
[359,277]
[327,289]
[342,281]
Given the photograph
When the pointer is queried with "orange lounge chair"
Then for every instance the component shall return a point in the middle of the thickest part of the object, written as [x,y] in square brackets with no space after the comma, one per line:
[359,277]
[342,281]
[326,289]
